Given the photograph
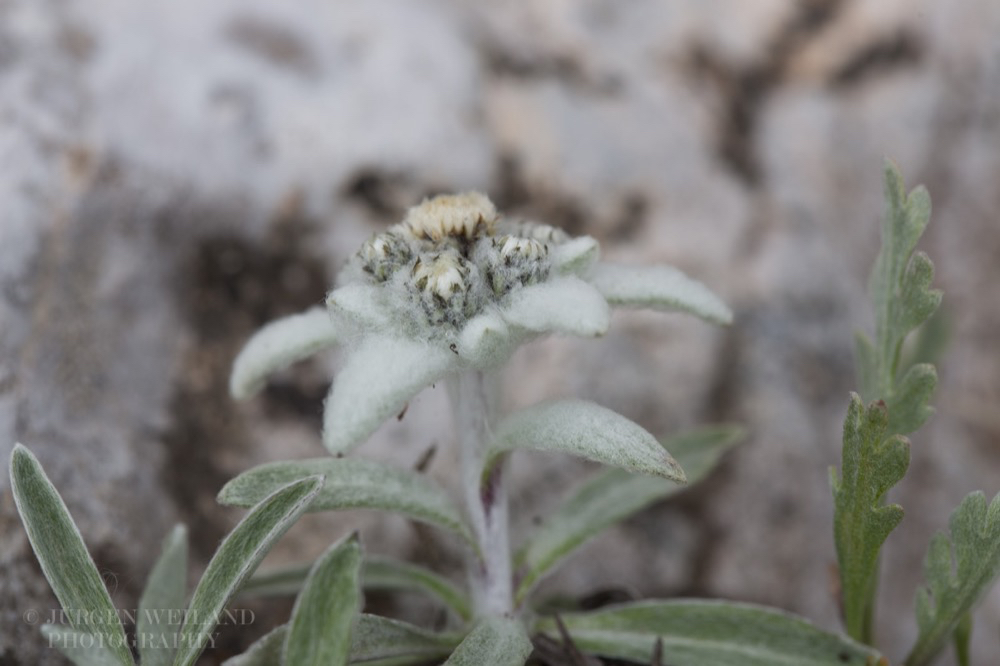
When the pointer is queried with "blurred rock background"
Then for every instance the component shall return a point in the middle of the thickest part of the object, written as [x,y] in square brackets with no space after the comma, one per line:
[175,174]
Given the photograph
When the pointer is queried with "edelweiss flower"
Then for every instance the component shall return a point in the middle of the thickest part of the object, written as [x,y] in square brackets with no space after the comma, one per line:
[454,287]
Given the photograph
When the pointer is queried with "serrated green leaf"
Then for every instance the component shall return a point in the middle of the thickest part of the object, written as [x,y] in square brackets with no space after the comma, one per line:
[382,641]
[353,483]
[498,641]
[162,603]
[697,632]
[908,408]
[958,572]
[64,558]
[265,651]
[80,647]
[611,496]
[278,345]
[961,640]
[320,629]
[377,573]
[900,287]
[873,462]
[587,430]
[237,557]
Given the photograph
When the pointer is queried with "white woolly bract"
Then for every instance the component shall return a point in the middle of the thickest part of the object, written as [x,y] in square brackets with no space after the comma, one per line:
[278,345]
[381,374]
[560,305]
[660,288]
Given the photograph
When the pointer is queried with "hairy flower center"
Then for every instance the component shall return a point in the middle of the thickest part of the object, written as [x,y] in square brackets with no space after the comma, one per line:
[454,255]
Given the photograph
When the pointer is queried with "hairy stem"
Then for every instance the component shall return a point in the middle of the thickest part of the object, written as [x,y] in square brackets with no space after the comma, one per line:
[472,402]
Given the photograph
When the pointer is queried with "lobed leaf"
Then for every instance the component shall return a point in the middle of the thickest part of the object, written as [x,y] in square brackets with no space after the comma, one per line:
[958,572]
[873,462]
[162,602]
[320,629]
[278,345]
[380,375]
[353,483]
[237,557]
[64,559]
[498,641]
[377,573]
[611,496]
[380,640]
[587,430]
[658,288]
[80,647]
[900,289]
[699,632]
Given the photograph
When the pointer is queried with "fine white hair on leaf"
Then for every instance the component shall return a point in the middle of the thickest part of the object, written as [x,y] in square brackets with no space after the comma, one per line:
[380,375]
[560,305]
[462,215]
[658,288]
[576,255]
[486,341]
[278,345]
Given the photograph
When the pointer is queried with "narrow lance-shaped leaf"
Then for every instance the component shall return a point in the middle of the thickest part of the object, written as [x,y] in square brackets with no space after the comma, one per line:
[386,573]
[498,641]
[161,607]
[958,572]
[63,556]
[380,375]
[695,633]
[320,630]
[587,430]
[872,463]
[265,651]
[237,557]
[377,573]
[353,483]
[80,647]
[278,345]
[611,496]
[380,640]
[658,288]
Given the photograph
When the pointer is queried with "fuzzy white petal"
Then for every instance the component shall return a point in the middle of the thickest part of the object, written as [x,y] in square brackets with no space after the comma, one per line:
[486,341]
[660,288]
[278,345]
[377,380]
[575,255]
[560,305]
[363,304]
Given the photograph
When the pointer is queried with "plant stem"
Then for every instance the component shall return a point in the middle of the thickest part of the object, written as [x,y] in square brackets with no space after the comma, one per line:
[472,402]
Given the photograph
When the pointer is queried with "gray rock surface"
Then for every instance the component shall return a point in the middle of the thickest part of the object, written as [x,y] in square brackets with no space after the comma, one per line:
[173,175]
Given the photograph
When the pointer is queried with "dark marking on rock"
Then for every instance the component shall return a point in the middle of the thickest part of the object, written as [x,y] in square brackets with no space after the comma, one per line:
[890,53]
[273,43]
[745,89]
[227,287]
[380,192]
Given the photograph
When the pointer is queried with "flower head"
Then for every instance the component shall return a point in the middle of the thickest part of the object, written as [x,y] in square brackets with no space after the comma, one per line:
[454,286]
